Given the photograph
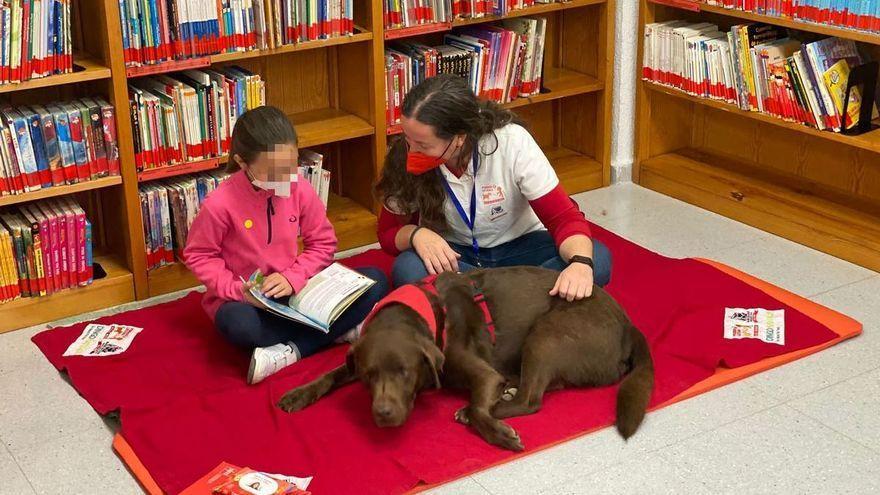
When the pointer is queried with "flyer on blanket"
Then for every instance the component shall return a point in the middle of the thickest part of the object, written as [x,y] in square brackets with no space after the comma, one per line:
[326,296]
[102,340]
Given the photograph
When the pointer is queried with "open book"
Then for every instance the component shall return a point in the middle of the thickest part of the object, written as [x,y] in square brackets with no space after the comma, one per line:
[322,300]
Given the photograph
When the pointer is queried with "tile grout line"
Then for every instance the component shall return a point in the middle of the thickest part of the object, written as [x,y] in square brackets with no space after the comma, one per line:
[657,449]
[822,293]
[790,404]
[20,470]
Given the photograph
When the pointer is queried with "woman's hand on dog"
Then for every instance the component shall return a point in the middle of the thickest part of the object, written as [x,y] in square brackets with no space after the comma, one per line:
[574,283]
[435,252]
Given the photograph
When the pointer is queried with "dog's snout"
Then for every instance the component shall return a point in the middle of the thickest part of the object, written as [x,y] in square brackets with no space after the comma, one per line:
[383,410]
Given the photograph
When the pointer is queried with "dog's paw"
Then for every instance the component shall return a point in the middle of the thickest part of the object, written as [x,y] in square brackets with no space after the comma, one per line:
[462,416]
[297,399]
[504,436]
[509,394]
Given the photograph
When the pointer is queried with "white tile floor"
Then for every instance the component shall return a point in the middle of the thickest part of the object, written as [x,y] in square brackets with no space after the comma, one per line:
[809,427]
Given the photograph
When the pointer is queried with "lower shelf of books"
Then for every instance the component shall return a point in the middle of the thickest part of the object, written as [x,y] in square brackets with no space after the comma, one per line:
[577,172]
[869,141]
[829,220]
[114,289]
[355,227]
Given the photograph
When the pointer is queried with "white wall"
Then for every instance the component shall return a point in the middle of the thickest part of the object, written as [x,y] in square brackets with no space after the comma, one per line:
[623,116]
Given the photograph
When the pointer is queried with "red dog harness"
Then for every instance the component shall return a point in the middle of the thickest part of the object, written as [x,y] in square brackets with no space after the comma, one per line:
[418,298]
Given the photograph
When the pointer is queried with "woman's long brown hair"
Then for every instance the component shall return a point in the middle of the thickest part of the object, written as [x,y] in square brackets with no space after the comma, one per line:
[447,104]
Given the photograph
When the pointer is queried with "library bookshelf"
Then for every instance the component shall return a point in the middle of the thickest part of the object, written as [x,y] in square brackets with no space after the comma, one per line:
[818,188]
[333,91]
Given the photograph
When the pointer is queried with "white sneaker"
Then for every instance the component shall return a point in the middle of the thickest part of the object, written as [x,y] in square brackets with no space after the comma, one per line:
[270,360]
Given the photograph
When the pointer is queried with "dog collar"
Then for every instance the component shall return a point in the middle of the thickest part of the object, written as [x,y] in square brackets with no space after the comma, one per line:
[420,298]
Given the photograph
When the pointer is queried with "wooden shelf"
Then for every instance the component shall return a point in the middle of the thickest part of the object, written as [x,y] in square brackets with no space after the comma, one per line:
[170,278]
[169,66]
[85,69]
[313,128]
[51,192]
[114,289]
[182,169]
[360,36]
[534,10]
[869,141]
[829,30]
[837,224]
[577,172]
[355,227]
[439,27]
[407,32]
[557,83]
[560,83]
[328,125]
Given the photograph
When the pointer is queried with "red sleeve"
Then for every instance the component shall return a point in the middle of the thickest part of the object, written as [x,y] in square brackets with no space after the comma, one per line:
[389,225]
[561,215]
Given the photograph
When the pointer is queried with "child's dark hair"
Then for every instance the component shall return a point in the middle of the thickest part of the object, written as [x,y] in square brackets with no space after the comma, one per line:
[257,131]
[447,104]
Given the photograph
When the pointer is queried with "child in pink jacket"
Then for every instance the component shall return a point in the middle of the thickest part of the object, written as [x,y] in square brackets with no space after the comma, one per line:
[252,222]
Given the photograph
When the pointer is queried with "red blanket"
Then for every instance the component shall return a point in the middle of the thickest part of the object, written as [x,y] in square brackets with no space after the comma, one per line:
[185,407]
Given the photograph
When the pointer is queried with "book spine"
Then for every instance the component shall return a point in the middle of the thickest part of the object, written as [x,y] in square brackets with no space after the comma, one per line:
[53,151]
[89,261]
[55,248]
[39,146]
[77,137]
[82,267]
[97,135]
[111,145]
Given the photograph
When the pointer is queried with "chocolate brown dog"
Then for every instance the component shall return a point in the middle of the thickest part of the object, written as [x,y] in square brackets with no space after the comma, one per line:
[541,343]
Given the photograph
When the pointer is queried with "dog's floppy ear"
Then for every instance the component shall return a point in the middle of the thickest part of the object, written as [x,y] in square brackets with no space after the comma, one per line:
[435,360]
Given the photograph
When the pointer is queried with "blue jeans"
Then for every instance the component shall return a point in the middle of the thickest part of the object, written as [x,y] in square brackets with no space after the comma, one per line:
[248,326]
[533,249]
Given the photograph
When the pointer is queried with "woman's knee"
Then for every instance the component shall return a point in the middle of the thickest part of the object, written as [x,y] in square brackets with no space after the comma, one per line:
[408,268]
[381,288]
[602,263]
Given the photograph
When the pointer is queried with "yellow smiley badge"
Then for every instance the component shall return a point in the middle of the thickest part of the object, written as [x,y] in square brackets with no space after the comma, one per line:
[248,223]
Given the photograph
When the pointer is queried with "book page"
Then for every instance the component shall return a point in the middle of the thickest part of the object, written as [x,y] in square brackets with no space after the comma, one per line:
[328,290]
[281,309]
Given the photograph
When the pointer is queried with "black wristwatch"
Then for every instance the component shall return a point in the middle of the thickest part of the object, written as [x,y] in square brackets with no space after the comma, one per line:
[581,259]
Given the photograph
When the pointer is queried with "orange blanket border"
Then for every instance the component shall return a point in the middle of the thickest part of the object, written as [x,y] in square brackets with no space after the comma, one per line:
[844,326]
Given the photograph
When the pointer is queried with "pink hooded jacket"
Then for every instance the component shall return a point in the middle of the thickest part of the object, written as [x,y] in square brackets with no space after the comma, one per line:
[240,229]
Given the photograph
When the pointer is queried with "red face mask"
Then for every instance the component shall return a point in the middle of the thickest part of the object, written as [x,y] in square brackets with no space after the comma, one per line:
[419,163]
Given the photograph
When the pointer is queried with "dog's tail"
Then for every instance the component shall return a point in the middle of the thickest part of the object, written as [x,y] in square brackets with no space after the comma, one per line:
[636,387]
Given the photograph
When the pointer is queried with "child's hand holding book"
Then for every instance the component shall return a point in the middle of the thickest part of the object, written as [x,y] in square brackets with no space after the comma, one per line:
[275,286]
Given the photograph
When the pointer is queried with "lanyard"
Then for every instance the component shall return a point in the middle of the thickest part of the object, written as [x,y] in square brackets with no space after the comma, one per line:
[473,206]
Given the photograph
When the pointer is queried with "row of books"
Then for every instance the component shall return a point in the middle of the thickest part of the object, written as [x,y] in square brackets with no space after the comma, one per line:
[311,168]
[757,67]
[501,63]
[409,13]
[156,31]
[168,209]
[35,39]
[862,15]
[189,115]
[45,247]
[57,144]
